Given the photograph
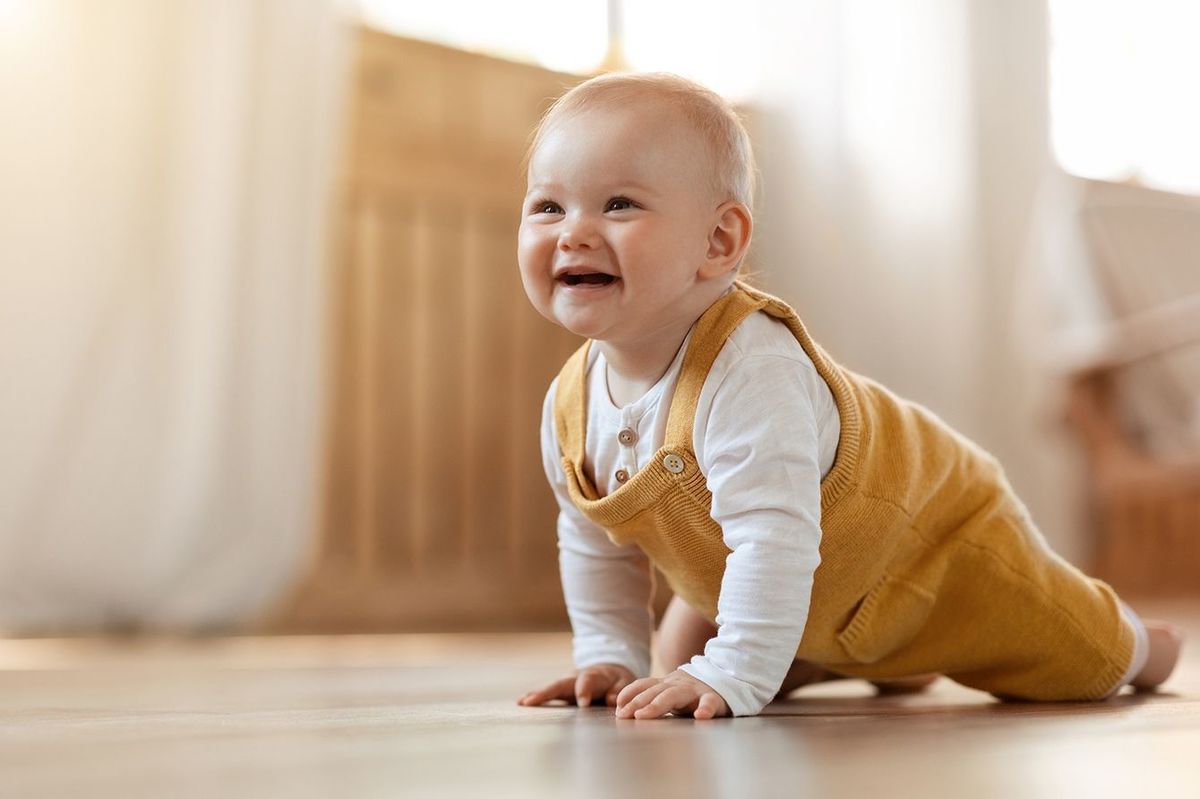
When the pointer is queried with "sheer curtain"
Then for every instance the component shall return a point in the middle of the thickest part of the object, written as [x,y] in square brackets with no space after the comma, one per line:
[166,176]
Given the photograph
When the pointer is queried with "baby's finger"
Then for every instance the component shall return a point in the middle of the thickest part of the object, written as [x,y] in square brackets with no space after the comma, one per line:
[667,700]
[633,689]
[587,686]
[630,708]
[559,689]
[614,691]
[710,706]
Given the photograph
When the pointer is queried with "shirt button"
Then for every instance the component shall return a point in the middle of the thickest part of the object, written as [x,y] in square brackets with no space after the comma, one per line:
[627,436]
[674,464]
[622,475]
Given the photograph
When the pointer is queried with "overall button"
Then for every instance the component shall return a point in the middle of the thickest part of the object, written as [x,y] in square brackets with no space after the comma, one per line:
[674,464]
[622,475]
[627,436]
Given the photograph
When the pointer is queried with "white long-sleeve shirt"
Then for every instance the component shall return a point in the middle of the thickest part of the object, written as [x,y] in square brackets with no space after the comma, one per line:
[766,431]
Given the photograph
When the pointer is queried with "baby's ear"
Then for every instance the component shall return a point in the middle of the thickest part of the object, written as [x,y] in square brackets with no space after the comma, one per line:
[729,238]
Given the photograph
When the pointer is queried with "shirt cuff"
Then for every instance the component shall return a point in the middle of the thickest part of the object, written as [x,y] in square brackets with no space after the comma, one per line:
[739,695]
[591,653]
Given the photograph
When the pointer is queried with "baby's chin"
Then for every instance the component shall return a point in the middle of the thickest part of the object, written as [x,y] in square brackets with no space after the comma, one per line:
[597,329]
[594,323]
[598,332]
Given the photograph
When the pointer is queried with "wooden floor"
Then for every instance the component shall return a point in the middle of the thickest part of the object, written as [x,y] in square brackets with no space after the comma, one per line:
[436,716]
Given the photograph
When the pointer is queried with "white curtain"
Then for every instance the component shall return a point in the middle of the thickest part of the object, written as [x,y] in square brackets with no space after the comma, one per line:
[868,201]
[165,172]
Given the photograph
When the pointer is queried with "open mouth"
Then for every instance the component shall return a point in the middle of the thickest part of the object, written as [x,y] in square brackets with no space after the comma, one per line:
[588,278]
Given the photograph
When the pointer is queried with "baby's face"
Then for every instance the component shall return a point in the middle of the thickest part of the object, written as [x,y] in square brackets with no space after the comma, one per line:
[615,223]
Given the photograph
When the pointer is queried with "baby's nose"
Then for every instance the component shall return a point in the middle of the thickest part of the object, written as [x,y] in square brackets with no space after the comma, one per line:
[577,232]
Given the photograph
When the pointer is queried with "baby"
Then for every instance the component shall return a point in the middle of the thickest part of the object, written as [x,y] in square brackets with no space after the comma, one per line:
[811,524]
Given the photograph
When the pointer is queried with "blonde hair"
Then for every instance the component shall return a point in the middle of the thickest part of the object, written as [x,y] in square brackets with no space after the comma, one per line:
[705,111]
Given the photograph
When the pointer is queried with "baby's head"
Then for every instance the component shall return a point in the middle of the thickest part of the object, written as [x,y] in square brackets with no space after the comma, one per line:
[637,214]
[730,158]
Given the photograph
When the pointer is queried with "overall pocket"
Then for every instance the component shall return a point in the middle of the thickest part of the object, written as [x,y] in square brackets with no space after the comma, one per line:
[889,616]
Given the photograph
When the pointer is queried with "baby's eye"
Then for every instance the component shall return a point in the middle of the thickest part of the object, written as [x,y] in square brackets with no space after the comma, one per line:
[545,207]
[619,204]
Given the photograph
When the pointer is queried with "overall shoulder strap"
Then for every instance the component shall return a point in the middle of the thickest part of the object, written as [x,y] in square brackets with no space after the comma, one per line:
[570,405]
[712,329]
[850,442]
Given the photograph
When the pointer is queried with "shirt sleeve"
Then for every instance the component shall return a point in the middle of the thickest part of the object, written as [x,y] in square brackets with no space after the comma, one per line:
[761,444]
[607,588]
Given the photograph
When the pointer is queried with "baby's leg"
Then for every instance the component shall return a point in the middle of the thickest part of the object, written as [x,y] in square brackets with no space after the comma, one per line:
[681,635]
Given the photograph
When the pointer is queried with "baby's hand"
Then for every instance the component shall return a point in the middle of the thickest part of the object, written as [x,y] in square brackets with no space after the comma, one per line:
[601,681]
[653,697]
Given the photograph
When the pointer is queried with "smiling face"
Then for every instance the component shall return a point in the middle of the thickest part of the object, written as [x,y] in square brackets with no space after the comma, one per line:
[615,223]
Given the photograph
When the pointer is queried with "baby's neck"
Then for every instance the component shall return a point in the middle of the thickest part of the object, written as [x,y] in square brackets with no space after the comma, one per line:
[633,372]
[634,366]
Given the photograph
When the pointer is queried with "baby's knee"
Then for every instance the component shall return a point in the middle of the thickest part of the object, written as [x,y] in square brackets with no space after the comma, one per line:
[681,635]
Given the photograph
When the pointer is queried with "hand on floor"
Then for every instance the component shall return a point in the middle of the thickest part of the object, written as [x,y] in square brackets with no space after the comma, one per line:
[603,681]
[652,697]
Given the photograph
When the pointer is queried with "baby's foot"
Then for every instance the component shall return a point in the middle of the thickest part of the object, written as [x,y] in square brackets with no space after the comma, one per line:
[1165,643]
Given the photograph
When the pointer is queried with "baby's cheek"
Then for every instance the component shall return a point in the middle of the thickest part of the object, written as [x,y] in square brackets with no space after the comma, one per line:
[526,237]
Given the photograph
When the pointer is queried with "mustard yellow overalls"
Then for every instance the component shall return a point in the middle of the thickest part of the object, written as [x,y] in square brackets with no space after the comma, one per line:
[929,562]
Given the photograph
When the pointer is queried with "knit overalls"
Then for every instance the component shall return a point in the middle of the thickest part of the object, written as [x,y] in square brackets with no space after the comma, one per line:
[929,562]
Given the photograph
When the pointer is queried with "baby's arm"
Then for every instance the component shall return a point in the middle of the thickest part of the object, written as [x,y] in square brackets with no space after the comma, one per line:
[607,591]
[761,459]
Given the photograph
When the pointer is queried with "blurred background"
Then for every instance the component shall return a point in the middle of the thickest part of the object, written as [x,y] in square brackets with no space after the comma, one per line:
[266,361]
